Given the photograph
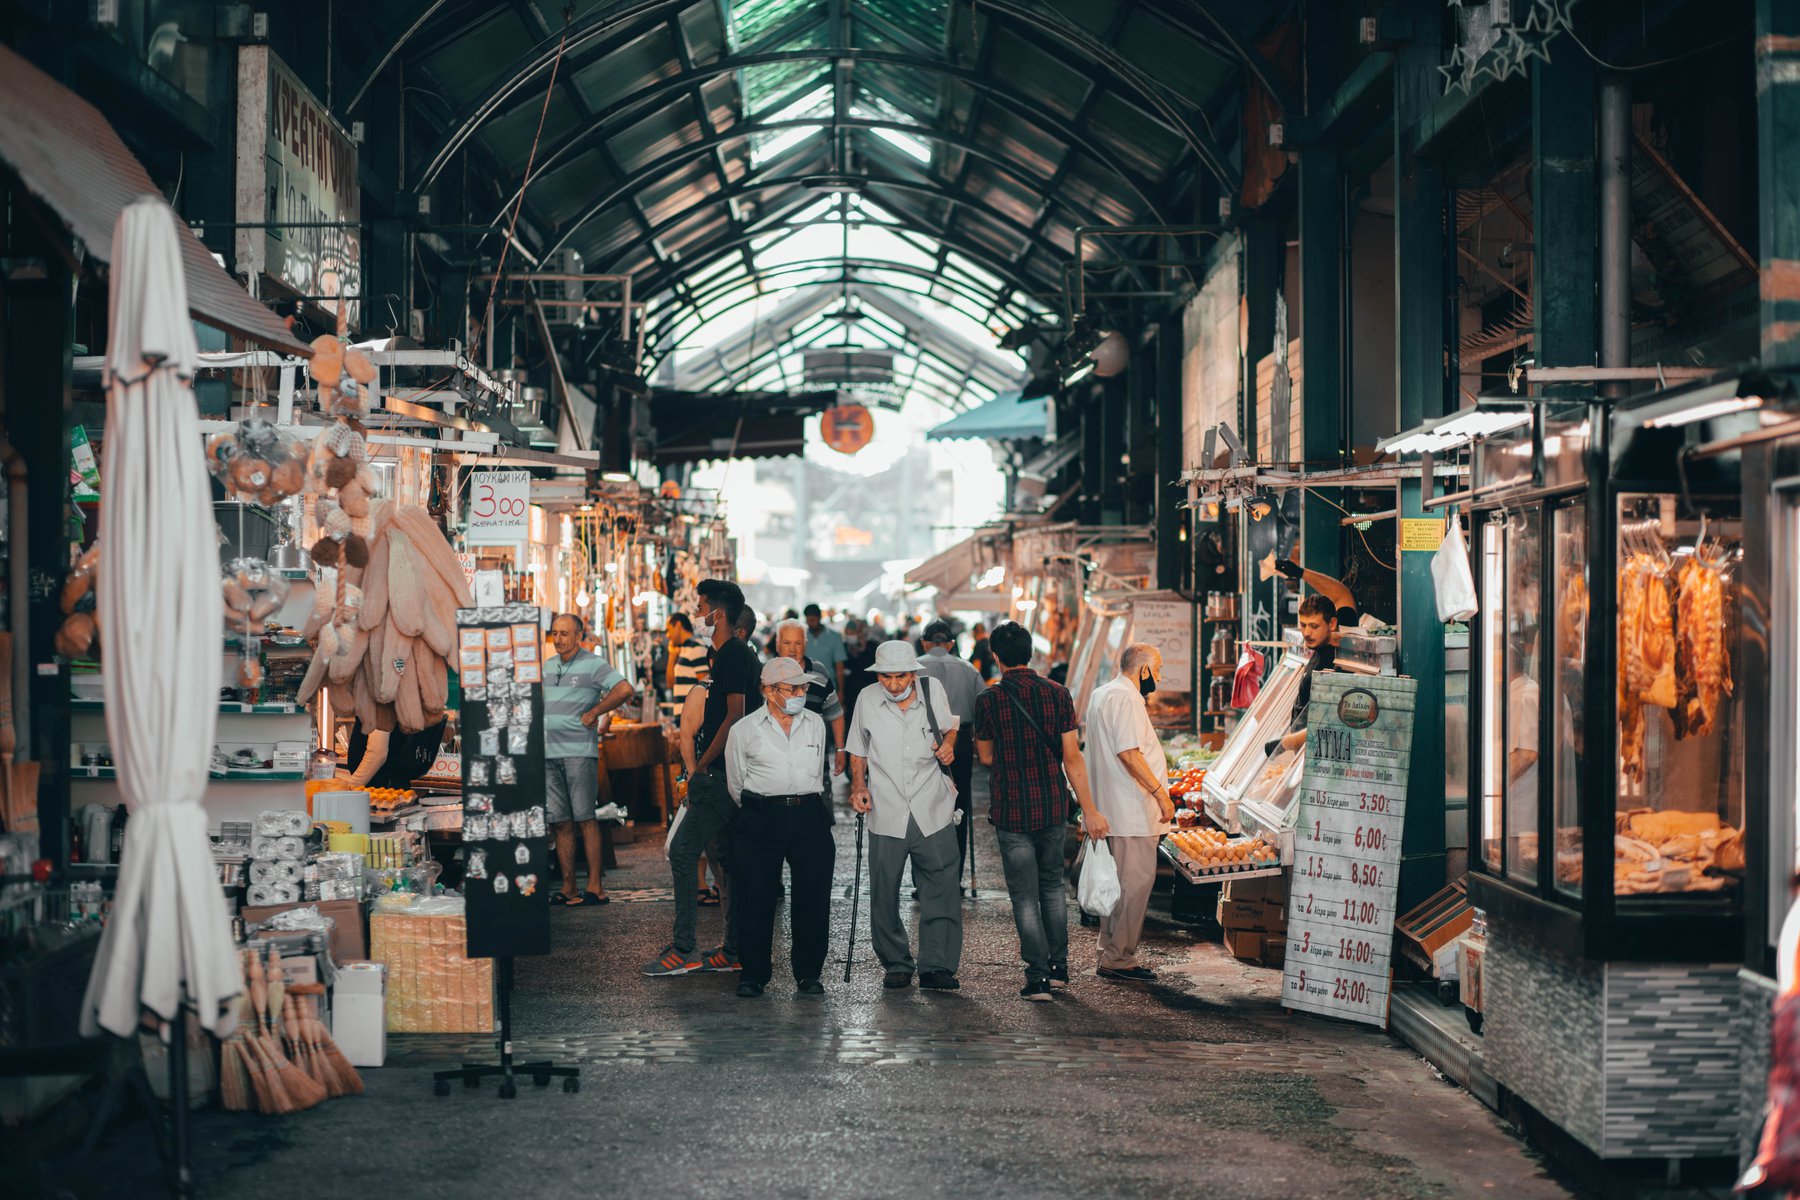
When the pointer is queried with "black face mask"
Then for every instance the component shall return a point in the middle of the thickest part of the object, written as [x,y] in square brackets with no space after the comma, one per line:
[1146,685]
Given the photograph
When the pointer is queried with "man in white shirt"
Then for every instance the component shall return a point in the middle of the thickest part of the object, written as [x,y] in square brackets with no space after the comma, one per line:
[1128,776]
[902,740]
[774,769]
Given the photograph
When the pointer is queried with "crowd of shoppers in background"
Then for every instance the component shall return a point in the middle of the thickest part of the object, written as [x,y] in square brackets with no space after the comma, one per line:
[897,721]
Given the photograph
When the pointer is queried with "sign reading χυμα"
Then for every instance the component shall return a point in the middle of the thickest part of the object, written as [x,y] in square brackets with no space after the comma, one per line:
[499,508]
[1346,876]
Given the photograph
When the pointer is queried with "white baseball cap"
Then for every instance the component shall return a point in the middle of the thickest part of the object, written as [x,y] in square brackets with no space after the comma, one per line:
[786,670]
[895,658]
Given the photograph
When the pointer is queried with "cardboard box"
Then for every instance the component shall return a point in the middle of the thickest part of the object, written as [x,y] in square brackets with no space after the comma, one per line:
[1259,916]
[1274,949]
[1264,888]
[1243,943]
[359,1014]
[433,987]
[348,940]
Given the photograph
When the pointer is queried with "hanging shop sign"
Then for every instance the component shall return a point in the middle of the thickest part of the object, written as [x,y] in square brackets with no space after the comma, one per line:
[1421,535]
[1169,626]
[1346,875]
[499,508]
[847,428]
[299,205]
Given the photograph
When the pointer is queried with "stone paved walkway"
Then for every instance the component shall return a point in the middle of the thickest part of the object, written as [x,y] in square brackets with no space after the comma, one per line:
[1199,1085]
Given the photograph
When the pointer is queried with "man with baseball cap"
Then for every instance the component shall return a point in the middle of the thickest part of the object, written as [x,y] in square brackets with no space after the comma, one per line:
[902,741]
[774,769]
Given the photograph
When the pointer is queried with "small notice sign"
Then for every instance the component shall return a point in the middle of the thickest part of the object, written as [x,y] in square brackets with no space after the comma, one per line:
[499,508]
[1346,876]
[1421,534]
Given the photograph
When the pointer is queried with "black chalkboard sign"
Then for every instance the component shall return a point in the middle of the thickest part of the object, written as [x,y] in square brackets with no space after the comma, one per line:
[505,843]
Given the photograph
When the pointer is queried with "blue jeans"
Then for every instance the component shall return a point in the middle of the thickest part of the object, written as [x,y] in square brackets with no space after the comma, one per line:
[1034,880]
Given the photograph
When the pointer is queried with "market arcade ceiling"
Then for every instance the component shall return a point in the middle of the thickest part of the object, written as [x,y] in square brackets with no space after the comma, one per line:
[724,150]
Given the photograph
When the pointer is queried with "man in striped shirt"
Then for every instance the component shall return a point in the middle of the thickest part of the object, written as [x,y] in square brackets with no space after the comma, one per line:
[579,688]
[688,658]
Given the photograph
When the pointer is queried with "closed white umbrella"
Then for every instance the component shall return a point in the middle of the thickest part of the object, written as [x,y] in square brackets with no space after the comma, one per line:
[169,936]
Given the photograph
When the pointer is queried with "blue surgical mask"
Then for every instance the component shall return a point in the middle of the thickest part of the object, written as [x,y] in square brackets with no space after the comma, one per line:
[793,706]
[901,697]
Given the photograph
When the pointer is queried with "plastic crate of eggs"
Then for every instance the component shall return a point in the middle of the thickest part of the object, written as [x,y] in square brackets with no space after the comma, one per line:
[1209,850]
[386,800]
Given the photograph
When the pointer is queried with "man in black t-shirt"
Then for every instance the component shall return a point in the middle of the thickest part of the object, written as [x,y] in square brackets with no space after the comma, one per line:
[707,814]
[1320,615]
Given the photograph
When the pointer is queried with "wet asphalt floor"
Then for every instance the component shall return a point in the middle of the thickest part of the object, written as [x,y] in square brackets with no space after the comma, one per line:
[1198,1085]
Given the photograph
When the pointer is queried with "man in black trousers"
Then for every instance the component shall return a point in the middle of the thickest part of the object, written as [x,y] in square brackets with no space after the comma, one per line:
[774,770]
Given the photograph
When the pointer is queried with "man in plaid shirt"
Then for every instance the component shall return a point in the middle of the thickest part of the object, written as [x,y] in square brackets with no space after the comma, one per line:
[1025,730]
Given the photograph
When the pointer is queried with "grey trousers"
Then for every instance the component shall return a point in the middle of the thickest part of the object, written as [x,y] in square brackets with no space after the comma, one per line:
[1120,930]
[934,862]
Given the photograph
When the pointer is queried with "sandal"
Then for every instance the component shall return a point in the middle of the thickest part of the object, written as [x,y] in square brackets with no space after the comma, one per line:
[709,898]
[588,898]
[558,898]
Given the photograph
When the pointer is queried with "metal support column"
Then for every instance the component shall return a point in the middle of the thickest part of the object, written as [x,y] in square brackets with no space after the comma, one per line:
[1614,166]
[1092,411]
[1114,400]
[1421,243]
[1321,301]
[38,374]
[1778,176]
[1172,555]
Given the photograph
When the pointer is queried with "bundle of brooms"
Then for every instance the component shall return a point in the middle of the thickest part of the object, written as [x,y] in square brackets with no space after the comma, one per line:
[281,1059]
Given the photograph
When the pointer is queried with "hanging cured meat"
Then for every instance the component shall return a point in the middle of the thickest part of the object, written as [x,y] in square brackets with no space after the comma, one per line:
[1646,654]
[1704,653]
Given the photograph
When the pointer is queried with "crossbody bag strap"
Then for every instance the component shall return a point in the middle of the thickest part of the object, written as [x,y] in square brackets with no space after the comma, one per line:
[1049,744]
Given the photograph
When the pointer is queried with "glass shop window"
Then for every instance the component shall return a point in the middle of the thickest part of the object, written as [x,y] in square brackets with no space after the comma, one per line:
[1491,567]
[1523,648]
[1680,750]
[1568,725]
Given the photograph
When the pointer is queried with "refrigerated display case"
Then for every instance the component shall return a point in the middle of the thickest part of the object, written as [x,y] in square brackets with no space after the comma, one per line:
[1248,790]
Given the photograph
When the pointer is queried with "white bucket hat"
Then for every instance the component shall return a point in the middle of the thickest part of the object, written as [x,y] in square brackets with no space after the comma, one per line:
[786,670]
[895,658]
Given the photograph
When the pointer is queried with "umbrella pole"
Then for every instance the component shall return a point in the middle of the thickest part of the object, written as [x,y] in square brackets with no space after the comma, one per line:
[181,1167]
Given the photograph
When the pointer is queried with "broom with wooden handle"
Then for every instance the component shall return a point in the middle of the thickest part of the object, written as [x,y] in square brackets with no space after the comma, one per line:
[234,1069]
[348,1080]
[300,1090]
[265,1084]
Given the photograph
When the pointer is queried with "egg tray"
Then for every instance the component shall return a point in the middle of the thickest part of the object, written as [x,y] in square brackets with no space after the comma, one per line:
[1197,872]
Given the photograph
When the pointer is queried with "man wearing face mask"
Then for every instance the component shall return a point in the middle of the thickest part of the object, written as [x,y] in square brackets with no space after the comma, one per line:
[902,741]
[774,767]
[1127,776]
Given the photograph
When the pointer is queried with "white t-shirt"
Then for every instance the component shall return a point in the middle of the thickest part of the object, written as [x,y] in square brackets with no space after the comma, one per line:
[1118,719]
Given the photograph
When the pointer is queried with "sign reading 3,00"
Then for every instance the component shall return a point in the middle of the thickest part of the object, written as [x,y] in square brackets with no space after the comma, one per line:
[499,507]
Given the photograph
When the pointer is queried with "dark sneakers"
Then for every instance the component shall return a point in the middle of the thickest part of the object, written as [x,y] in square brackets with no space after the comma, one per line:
[1059,975]
[670,961]
[939,981]
[810,987]
[1035,991]
[717,960]
[1127,974]
[896,979]
[748,990]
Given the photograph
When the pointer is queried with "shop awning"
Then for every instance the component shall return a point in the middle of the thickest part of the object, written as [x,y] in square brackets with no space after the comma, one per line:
[65,154]
[952,571]
[1008,415]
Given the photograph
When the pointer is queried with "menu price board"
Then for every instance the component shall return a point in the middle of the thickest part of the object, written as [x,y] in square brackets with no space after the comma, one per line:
[1346,876]
[1169,626]
[506,850]
[499,508]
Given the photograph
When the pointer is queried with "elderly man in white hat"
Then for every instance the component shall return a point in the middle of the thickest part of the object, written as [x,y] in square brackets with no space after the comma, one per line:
[775,770]
[902,739]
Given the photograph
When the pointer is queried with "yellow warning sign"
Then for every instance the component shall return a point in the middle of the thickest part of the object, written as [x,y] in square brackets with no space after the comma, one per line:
[1421,533]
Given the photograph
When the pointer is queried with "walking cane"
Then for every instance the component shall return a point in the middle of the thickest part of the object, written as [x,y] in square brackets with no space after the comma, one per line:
[855,897]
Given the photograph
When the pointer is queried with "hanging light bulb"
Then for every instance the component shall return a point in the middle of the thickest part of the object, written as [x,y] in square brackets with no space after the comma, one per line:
[582,599]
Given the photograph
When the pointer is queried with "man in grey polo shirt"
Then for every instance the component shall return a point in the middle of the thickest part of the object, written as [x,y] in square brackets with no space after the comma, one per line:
[897,773]
[579,688]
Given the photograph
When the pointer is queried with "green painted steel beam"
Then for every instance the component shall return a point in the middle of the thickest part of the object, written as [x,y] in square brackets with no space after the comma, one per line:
[1778,176]
[1421,324]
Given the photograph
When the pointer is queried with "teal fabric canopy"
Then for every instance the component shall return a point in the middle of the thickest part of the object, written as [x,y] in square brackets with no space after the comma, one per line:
[1007,415]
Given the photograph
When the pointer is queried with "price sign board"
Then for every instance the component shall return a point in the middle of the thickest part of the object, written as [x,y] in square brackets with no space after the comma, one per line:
[499,508]
[1169,626]
[1346,876]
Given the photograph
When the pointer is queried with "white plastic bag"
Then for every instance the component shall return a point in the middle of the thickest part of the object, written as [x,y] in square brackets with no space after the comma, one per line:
[1450,573]
[1099,891]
